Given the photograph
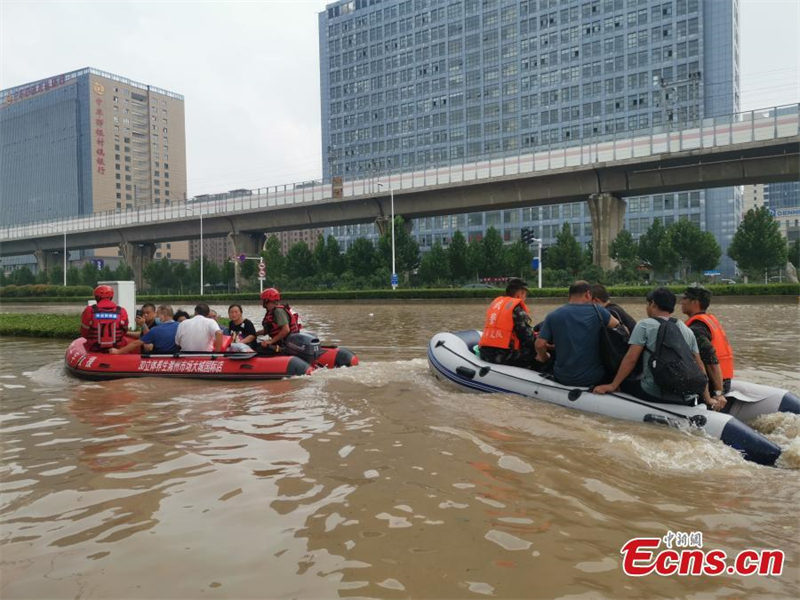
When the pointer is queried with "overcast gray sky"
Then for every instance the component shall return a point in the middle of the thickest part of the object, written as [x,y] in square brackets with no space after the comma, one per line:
[249,71]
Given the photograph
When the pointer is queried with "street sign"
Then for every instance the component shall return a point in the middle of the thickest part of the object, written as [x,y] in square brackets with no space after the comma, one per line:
[98,262]
[262,270]
[395,280]
[242,258]
[711,273]
[535,264]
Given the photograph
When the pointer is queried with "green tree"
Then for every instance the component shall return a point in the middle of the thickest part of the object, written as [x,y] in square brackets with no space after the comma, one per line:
[476,259]
[181,274]
[333,256]
[457,257]
[320,256]
[758,244]
[518,259]
[566,253]
[73,275]
[493,254]
[361,258]
[22,276]
[625,250]
[123,272]
[274,260]
[695,249]
[654,247]
[55,275]
[248,269]
[794,253]
[159,275]
[300,261]
[89,274]
[406,248]
[434,267]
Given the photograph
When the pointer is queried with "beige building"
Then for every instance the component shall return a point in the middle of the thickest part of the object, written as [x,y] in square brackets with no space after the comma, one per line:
[290,238]
[752,196]
[138,148]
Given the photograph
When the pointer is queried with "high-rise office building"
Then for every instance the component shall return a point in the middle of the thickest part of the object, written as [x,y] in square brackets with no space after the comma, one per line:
[407,84]
[89,141]
[783,201]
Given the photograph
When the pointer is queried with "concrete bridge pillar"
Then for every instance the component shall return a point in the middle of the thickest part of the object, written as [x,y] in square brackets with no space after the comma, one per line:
[47,259]
[608,218]
[137,257]
[247,244]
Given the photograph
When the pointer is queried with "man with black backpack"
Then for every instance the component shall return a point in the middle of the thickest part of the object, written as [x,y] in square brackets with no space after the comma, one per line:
[673,371]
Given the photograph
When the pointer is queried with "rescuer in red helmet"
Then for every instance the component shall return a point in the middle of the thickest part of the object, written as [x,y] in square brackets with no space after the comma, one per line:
[104,324]
[279,321]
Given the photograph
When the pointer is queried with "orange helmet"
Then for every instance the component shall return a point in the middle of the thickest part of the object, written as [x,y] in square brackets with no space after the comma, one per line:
[103,292]
[270,295]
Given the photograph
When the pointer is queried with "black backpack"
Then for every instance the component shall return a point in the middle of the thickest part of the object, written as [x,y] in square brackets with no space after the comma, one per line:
[673,366]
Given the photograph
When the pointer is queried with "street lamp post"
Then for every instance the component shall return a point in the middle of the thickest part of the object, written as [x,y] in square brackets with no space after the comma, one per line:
[394,269]
[539,255]
[65,258]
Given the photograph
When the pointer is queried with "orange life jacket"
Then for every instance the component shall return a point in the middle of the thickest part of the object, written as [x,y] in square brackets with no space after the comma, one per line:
[498,331]
[719,340]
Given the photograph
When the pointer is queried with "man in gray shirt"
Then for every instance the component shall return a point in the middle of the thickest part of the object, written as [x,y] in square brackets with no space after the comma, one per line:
[660,305]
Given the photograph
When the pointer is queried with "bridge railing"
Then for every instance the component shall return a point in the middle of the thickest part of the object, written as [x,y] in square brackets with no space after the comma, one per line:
[717,132]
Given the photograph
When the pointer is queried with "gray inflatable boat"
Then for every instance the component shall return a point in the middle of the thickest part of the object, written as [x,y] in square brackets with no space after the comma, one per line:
[452,358]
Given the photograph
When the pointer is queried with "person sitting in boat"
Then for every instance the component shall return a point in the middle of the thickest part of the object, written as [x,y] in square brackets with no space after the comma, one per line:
[600,296]
[507,337]
[145,320]
[104,324]
[199,334]
[158,340]
[242,330]
[279,321]
[715,350]
[574,329]
[660,305]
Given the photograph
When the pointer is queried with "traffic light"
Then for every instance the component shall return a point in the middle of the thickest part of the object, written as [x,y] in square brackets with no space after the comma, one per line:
[527,235]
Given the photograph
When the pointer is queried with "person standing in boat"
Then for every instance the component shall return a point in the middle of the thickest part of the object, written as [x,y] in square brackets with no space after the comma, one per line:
[600,296]
[200,333]
[660,305]
[574,329]
[279,321]
[104,324]
[507,337]
[715,350]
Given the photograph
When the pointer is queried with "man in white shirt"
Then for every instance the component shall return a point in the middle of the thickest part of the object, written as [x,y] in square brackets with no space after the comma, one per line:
[200,333]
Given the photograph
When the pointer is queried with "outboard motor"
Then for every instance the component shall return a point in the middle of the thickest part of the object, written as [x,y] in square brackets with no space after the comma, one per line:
[302,344]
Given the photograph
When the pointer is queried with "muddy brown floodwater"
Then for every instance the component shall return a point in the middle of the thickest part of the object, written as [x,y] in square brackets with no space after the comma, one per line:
[375,481]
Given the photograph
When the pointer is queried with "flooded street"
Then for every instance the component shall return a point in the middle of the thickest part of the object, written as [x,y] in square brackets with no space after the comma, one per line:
[374,481]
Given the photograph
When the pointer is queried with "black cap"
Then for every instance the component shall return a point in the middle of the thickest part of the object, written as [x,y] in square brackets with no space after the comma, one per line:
[515,284]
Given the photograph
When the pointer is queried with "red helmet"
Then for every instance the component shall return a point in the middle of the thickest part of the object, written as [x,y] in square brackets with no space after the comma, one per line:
[270,295]
[103,292]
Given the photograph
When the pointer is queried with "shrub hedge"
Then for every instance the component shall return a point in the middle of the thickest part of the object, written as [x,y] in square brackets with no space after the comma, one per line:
[55,293]
[41,290]
[40,325]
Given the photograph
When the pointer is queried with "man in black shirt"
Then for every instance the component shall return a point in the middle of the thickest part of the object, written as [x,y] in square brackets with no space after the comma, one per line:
[600,296]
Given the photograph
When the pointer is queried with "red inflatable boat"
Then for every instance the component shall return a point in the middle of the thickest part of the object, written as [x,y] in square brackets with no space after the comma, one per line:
[231,366]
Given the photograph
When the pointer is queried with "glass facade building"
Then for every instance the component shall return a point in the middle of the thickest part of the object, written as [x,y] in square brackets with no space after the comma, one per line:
[418,83]
[89,141]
